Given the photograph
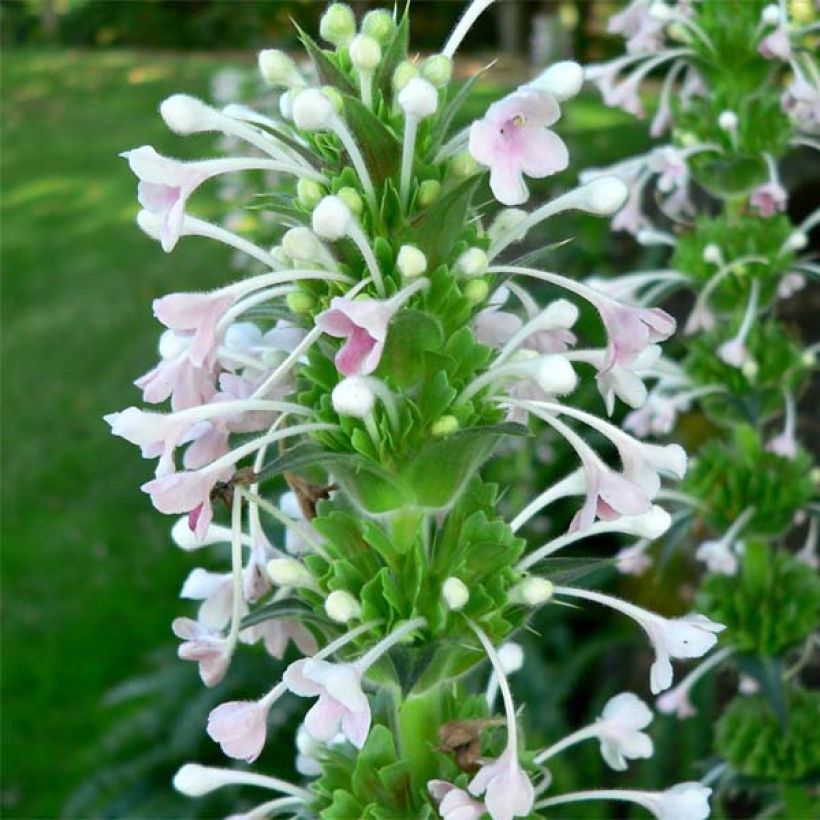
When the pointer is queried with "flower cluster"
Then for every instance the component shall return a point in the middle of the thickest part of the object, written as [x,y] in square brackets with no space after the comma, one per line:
[748,91]
[385,350]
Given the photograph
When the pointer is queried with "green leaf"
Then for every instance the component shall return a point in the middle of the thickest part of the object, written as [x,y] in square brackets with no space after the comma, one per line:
[437,228]
[394,54]
[410,334]
[452,108]
[569,570]
[343,807]
[282,609]
[379,146]
[379,751]
[441,469]
[327,71]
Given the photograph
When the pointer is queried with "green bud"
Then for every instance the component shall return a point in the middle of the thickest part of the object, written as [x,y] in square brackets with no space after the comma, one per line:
[351,198]
[300,302]
[335,97]
[310,193]
[338,24]
[438,70]
[476,291]
[411,262]
[688,139]
[403,74]
[379,25]
[464,165]
[429,191]
[278,69]
[444,426]
[750,369]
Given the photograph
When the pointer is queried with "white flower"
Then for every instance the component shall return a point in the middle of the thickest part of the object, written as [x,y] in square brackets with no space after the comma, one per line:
[506,788]
[418,99]
[619,730]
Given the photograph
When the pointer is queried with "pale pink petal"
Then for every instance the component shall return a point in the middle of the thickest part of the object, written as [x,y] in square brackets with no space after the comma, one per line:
[323,720]
[355,726]
[543,153]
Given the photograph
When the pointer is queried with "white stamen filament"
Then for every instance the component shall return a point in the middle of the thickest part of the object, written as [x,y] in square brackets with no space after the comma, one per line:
[235,311]
[341,130]
[643,798]
[284,368]
[698,672]
[570,740]
[408,153]
[236,568]
[570,485]
[386,644]
[750,315]
[231,777]
[704,296]
[356,233]
[467,21]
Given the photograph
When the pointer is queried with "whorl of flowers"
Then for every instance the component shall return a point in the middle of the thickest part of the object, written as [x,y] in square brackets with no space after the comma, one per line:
[389,345]
[741,89]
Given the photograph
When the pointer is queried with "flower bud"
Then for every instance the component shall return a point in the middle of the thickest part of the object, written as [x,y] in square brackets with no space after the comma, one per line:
[411,261]
[278,69]
[300,302]
[351,198]
[335,97]
[301,243]
[338,24]
[464,165]
[651,525]
[532,591]
[288,572]
[279,256]
[808,359]
[603,196]
[554,374]
[332,218]
[379,25]
[796,241]
[455,593]
[750,369]
[418,99]
[353,397]
[712,254]
[310,193]
[286,103]
[771,15]
[476,291]
[444,426]
[438,69]
[404,72]
[313,110]
[727,120]
[563,80]
[428,192]
[342,607]
[473,262]
[508,220]
[365,53]
[511,656]
[185,115]
[558,315]
[194,780]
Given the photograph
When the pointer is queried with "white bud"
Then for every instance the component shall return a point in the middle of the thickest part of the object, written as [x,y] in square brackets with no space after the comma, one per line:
[365,53]
[418,98]
[511,656]
[338,24]
[455,593]
[508,220]
[286,104]
[411,261]
[332,218]
[184,114]
[353,397]
[563,80]
[342,607]
[278,69]
[532,591]
[796,241]
[558,315]
[288,572]
[301,243]
[771,14]
[652,524]
[473,262]
[808,358]
[661,12]
[727,120]
[313,111]
[603,196]
[712,254]
[194,780]
[186,540]
[438,69]
[553,374]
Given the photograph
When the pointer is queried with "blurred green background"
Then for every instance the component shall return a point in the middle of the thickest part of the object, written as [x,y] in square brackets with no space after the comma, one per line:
[89,576]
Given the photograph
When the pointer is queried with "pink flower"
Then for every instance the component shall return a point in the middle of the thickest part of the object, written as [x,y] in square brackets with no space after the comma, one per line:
[454,803]
[196,313]
[619,730]
[633,560]
[507,790]
[719,556]
[801,101]
[156,434]
[657,416]
[495,328]
[215,590]
[676,702]
[769,198]
[632,329]
[513,140]
[240,727]
[733,352]
[276,633]
[608,496]
[342,704]
[642,31]
[176,376]
[625,380]
[776,46]
[205,646]
[364,324]
[783,445]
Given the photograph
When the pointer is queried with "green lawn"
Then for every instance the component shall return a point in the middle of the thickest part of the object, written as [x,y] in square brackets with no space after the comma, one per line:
[89,577]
